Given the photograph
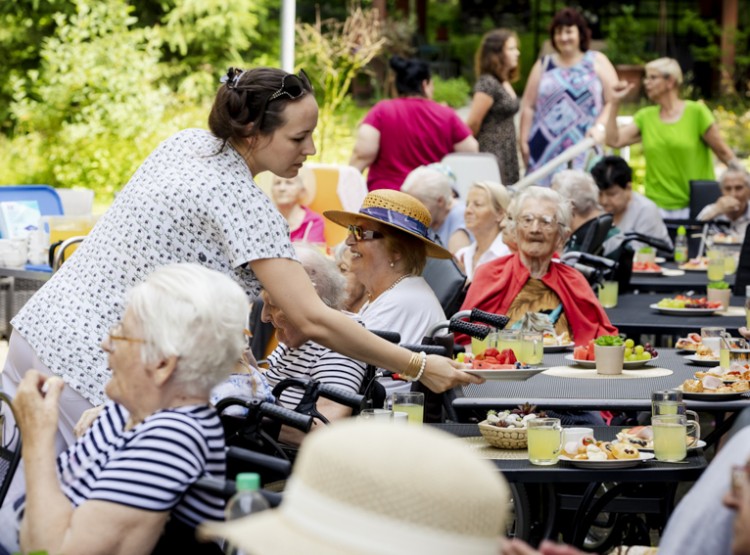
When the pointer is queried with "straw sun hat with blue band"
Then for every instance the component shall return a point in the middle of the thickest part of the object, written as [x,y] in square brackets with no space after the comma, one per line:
[396,210]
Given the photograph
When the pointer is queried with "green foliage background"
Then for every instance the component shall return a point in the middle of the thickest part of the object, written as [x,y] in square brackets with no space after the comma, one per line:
[111,79]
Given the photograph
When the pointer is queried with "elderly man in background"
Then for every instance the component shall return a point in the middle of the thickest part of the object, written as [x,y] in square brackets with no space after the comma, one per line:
[631,211]
[732,207]
[579,189]
[432,185]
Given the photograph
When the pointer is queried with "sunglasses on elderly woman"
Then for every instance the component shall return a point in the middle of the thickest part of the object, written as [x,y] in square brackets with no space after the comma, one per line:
[360,234]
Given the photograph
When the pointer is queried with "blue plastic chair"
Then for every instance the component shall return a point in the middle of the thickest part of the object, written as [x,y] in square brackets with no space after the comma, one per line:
[47,198]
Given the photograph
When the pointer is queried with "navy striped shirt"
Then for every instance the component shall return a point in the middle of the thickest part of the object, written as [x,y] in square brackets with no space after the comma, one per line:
[151,466]
[313,360]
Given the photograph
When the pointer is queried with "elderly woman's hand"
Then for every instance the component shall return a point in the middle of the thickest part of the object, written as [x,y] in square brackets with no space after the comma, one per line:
[86,419]
[36,406]
[442,374]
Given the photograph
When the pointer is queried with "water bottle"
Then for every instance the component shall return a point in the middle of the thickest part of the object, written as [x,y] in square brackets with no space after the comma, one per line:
[680,245]
[248,500]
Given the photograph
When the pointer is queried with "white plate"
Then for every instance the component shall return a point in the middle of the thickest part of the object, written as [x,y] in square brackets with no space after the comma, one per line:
[701,361]
[507,375]
[659,260]
[558,348]
[699,445]
[627,365]
[683,311]
[648,272]
[691,269]
[609,463]
[703,396]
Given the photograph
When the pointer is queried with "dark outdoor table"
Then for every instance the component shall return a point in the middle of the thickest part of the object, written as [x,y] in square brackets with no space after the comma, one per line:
[628,494]
[673,284]
[590,394]
[633,317]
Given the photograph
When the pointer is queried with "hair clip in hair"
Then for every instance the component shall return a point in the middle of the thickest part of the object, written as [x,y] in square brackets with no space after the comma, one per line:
[232,77]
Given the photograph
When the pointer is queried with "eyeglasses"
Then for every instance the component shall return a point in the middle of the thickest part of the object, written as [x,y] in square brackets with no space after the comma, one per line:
[545,222]
[292,86]
[360,234]
[115,334]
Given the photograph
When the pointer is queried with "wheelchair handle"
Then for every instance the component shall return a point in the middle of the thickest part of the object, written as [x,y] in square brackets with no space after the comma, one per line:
[226,489]
[498,321]
[260,461]
[258,408]
[428,349]
[287,417]
[392,336]
[478,331]
[341,395]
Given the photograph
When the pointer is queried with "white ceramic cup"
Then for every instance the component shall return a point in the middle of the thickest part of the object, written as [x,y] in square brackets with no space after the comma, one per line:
[576,434]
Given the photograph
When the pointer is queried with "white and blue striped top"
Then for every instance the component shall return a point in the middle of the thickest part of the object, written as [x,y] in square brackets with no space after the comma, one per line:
[151,466]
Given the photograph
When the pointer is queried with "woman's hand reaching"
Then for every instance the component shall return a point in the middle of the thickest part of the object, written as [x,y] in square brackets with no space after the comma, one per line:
[442,374]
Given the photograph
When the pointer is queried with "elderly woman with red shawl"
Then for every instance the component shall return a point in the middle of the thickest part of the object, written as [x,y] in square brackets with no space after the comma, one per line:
[532,280]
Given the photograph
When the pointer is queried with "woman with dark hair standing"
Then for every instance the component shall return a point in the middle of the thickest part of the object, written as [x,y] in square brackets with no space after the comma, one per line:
[495,103]
[195,199]
[403,133]
[567,96]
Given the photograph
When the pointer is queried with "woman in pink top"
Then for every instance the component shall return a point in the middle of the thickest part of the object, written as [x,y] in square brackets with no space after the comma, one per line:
[290,196]
[404,133]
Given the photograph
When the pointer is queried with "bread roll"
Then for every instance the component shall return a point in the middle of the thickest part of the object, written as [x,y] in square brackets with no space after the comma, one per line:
[624,451]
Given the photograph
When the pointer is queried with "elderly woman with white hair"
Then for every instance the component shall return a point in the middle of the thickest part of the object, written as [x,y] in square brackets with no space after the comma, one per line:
[533,280]
[432,185]
[579,189]
[129,480]
[677,135]
[486,204]
[298,356]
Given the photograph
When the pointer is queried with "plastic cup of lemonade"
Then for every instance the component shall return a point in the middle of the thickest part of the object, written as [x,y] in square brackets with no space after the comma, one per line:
[532,347]
[608,292]
[544,437]
[410,402]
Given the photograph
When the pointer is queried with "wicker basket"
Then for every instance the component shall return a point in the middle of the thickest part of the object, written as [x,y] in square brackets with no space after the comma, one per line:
[503,438]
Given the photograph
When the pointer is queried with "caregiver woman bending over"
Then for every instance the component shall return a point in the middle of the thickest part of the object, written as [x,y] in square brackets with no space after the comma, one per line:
[194,199]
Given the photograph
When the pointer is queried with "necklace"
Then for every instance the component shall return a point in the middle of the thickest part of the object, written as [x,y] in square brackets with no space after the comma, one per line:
[394,284]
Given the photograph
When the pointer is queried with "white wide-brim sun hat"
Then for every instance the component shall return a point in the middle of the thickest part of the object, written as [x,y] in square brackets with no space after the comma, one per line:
[369,488]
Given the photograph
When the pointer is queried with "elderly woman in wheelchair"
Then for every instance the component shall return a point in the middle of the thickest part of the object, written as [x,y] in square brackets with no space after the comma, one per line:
[130,479]
[297,356]
[532,280]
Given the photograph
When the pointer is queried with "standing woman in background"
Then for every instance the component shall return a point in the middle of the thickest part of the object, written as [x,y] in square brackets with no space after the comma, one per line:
[567,96]
[677,135]
[403,133]
[495,103]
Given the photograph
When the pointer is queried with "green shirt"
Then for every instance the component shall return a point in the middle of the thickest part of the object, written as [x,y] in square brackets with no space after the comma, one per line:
[675,153]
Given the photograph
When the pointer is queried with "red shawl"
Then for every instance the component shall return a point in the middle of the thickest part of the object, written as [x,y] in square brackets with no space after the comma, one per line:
[498,282]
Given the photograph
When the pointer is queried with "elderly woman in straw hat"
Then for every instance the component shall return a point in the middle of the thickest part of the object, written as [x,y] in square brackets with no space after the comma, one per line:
[486,204]
[345,499]
[389,244]
[290,195]
[531,280]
